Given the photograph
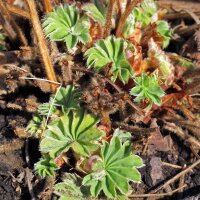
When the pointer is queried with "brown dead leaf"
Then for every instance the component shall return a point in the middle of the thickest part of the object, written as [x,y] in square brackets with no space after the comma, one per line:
[157,142]
[31,104]
[156,169]
[21,132]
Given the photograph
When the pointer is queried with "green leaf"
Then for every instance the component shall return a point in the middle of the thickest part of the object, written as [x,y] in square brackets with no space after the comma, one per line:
[46,108]
[2,41]
[117,168]
[164,30]
[123,136]
[147,87]
[46,167]
[141,14]
[110,51]
[65,24]
[35,125]
[76,130]
[68,99]
[97,11]
[71,188]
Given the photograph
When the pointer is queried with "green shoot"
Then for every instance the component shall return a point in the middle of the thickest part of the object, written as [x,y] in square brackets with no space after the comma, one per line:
[147,87]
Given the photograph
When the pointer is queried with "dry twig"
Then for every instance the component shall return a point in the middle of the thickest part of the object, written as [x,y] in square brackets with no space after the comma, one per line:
[42,43]
[48,6]
[124,16]
[178,175]
[157,195]
[108,23]
[17,11]
[10,26]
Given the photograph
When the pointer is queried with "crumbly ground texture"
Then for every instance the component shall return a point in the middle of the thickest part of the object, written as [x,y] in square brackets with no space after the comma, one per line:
[167,139]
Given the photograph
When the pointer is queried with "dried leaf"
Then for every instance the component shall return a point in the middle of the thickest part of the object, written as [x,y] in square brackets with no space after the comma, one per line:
[156,169]
[157,142]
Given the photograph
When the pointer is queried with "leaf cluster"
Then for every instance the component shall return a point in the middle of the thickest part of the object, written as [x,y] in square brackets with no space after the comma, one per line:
[110,51]
[147,87]
[65,24]
[116,167]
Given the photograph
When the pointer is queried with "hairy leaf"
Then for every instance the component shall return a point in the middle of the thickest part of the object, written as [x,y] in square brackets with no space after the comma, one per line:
[123,136]
[65,24]
[71,188]
[97,11]
[46,109]
[68,98]
[76,130]
[110,51]
[147,87]
[114,170]
[35,125]
[46,167]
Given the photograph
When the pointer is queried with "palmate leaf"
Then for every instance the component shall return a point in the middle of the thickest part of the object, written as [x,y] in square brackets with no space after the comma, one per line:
[147,87]
[68,98]
[65,24]
[76,130]
[110,51]
[97,11]
[46,167]
[71,188]
[117,167]
[46,108]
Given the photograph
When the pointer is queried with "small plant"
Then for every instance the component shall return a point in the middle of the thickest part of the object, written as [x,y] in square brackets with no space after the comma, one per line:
[114,169]
[75,130]
[46,167]
[110,51]
[65,24]
[147,87]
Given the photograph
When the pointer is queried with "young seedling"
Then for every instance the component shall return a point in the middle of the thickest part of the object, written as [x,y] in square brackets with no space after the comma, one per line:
[147,87]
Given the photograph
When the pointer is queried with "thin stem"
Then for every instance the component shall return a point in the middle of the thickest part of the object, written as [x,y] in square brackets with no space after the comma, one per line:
[108,24]
[42,43]
[123,18]
[10,25]
[188,169]
[17,11]
[48,6]
[157,195]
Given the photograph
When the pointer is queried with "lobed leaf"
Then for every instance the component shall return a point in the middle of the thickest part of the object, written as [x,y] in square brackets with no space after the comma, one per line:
[68,99]
[110,51]
[65,24]
[97,11]
[147,87]
[46,167]
[76,130]
[117,167]
[71,189]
